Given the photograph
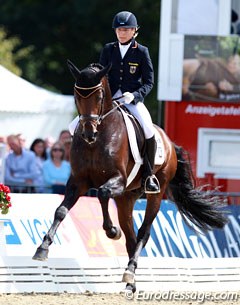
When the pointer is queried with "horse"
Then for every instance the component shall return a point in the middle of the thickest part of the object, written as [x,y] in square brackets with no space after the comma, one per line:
[101,158]
[203,79]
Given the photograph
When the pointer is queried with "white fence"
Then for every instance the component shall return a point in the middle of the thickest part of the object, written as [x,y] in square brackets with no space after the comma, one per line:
[22,274]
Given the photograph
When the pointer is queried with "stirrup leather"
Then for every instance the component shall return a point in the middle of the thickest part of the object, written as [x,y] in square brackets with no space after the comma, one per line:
[155,180]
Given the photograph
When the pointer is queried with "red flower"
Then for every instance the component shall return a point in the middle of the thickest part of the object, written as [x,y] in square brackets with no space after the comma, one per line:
[6,189]
[5,199]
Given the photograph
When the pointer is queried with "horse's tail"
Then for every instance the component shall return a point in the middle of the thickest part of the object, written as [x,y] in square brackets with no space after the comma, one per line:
[202,208]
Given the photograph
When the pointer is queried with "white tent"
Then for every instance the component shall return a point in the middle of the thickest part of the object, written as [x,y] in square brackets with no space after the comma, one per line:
[31,110]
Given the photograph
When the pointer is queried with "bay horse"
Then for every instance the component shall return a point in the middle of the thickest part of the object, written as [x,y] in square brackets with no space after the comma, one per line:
[101,158]
[203,78]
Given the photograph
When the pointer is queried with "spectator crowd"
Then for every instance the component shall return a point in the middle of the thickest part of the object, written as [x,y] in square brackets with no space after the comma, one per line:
[42,168]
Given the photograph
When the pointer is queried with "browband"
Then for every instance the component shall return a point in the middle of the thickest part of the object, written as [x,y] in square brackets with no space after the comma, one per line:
[89,88]
[95,88]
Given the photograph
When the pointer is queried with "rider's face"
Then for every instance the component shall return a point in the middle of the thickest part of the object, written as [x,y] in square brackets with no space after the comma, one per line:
[124,34]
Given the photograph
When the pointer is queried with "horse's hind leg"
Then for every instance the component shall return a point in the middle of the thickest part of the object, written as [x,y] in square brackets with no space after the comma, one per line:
[153,205]
[125,206]
[70,199]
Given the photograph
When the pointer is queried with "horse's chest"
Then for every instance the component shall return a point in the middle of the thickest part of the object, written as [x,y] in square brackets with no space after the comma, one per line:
[93,161]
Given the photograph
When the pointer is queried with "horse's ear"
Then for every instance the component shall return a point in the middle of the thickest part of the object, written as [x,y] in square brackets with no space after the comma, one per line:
[73,69]
[104,71]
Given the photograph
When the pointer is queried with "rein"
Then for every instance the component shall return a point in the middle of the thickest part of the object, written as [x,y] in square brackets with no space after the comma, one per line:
[116,106]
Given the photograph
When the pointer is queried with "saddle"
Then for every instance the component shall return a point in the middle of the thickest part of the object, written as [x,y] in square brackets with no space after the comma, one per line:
[137,132]
[136,140]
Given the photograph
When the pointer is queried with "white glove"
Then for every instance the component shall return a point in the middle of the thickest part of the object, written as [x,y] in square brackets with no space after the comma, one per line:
[128,97]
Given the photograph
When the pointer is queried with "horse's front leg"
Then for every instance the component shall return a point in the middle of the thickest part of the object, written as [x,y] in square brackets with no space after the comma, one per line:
[71,196]
[112,188]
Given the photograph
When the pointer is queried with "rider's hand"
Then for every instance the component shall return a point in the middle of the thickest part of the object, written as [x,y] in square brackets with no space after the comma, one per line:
[128,97]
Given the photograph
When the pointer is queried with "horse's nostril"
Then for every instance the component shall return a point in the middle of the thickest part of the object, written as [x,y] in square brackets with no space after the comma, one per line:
[90,140]
[89,137]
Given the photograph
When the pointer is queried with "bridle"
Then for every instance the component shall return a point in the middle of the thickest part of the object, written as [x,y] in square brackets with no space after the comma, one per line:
[98,118]
[91,117]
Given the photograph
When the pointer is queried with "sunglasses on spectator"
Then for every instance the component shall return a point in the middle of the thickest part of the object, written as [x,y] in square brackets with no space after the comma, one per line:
[57,149]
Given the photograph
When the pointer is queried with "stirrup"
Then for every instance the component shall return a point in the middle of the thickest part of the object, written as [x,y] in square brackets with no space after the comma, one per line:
[155,180]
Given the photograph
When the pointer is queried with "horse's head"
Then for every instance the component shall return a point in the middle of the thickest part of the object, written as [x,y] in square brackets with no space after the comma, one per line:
[89,93]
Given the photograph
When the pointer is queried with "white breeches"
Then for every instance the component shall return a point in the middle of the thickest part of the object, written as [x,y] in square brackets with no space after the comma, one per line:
[139,110]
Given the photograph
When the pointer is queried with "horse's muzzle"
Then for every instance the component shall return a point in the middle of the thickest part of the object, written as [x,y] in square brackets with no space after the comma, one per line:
[89,132]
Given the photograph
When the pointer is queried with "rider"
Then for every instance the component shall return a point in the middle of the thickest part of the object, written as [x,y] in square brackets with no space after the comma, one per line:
[131,76]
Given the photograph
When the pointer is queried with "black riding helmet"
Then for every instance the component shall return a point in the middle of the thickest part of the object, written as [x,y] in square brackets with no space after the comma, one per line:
[125,19]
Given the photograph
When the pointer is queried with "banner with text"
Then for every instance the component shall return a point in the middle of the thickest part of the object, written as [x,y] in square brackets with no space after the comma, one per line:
[81,233]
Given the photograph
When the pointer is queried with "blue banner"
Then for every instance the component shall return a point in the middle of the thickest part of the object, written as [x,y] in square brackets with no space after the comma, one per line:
[170,236]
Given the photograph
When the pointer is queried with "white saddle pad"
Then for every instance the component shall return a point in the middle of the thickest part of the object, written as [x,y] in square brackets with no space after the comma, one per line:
[160,152]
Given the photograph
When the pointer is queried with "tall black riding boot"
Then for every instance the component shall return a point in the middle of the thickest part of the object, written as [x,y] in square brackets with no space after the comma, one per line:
[151,182]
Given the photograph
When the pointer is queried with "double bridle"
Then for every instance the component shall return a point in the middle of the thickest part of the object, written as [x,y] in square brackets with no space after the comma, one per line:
[91,117]
[98,118]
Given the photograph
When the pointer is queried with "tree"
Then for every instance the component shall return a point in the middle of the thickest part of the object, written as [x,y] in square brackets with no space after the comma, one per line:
[77,30]
[8,56]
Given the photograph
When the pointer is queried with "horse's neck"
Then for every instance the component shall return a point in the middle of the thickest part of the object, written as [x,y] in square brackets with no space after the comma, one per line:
[108,105]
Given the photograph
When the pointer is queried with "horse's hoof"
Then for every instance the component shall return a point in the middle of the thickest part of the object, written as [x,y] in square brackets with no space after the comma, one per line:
[128,277]
[118,233]
[114,233]
[130,287]
[41,254]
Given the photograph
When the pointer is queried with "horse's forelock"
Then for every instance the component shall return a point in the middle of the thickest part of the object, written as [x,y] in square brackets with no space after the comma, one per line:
[89,77]
[96,66]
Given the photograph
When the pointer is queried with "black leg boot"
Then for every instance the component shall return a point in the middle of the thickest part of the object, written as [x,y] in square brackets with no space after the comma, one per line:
[151,184]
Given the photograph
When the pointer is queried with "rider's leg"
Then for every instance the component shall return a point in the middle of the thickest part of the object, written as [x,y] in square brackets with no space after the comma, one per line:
[151,182]
[140,111]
